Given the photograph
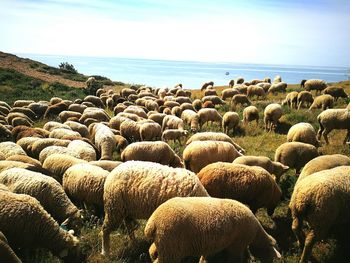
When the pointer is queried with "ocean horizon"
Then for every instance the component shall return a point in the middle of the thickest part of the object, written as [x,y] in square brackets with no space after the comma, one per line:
[192,74]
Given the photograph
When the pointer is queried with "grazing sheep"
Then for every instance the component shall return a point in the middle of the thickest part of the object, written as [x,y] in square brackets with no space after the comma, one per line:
[182,100]
[194,226]
[2,157]
[242,88]
[4,111]
[53,110]
[56,149]
[28,112]
[136,110]
[230,120]
[10,148]
[250,113]
[20,132]
[251,185]
[199,154]
[333,119]
[84,150]
[5,104]
[135,189]
[207,84]
[336,92]
[314,84]
[5,165]
[26,224]
[158,152]
[26,143]
[110,103]
[5,134]
[304,97]
[275,168]
[172,122]
[94,113]
[6,252]
[265,86]
[41,144]
[214,136]
[208,114]
[210,92]
[22,103]
[191,118]
[324,101]
[77,108]
[96,101]
[208,104]
[84,184]
[78,127]
[278,87]
[240,99]
[277,79]
[130,130]
[176,111]
[157,117]
[291,99]
[272,114]
[171,104]
[47,191]
[174,135]
[106,164]
[228,93]
[24,159]
[231,83]
[150,131]
[295,154]
[186,106]
[197,104]
[214,99]
[17,121]
[239,80]
[255,90]
[323,162]
[322,201]
[61,133]
[303,132]
[104,140]
[13,115]
[64,115]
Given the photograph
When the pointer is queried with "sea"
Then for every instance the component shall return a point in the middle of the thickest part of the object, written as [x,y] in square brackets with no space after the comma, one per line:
[167,73]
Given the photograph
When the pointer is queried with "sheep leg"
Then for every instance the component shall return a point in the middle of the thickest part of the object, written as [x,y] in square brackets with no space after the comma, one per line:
[299,105]
[347,137]
[309,243]
[298,232]
[325,133]
[106,231]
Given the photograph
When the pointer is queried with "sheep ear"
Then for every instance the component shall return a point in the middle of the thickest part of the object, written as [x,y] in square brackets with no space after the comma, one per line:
[63,253]
[277,254]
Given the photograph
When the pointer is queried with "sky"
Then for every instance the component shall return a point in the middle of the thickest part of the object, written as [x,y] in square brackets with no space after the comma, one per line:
[298,32]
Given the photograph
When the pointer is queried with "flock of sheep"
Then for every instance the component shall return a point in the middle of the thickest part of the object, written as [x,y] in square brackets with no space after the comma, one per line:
[201,204]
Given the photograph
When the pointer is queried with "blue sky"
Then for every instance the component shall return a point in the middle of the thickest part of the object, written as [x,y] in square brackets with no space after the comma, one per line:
[315,32]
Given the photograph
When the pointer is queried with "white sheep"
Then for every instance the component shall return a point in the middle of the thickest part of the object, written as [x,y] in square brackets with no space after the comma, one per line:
[51,125]
[228,93]
[78,127]
[303,132]
[304,98]
[61,133]
[322,200]
[172,122]
[135,189]
[278,87]
[65,115]
[83,150]
[250,113]
[291,99]
[47,191]
[209,115]
[255,90]
[41,144]
[104,140]
[275,168]
[191,118]
[26,224]
[158,152]
[44,154]
[150,131]
[314,84]
[324,101]
[10,148]
[174,135]
[199,154]
[295,154]
[230,120]
[272,114]
[106,164]
[194,226]
[239,99]
[333,119]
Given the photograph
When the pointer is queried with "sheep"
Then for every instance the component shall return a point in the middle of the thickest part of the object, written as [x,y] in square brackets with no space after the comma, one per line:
[295,154]
[264,85]
[172,122]
[55,100]
[198,154]
[322,200]
[26,224]
[174,135]
[207,114]
[186,106]
[275,168]
[250,185]
[182,100]
[323,162]
[171,104]
[336,92]
[231,83]
[207,84]
[22,103]
[57,164]
[6,252]
[5,134]
[214,99]
[47,191]
[214,136]
[333,119]
[78,127]
[135,189]
[4,111]
[96,101]
[176,111]
[208,104]
[5,104]
[250,113]
[84,150]
[291,99]
[24,159]
[183,93]
[255,90]
[272,114]
[2,157]
[239,80]
[230,120]
[278,87]
[106,164]
[121,142]
[303,132]
[151,105]
[304,97]
[20,132]
[228,93]
[150,131]
[61,133]
[56,149]
[28,112]
[239,99]
[191,118]
[110,103]
[84,184]
[10,148]
[197,104]
[64,115]
[53,110]
[125,92]
[324,101]
[13,115]
[213,225]
[242,88]
[104,140]
[77,108]
[41,144]
[5,165]
[136,110]
[159,152]
[314,84]
[210,92]
[94,113]
[51,125]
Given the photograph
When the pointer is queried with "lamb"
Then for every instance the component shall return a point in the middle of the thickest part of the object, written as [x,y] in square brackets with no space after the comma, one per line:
[314,84]
[336,92]
[324,101]
[135,189]
[26,224]
[272,114]
[250,185]
[214,136]
[323,162]
[333,119]
[295,154]
[47,191]
[303,132]
[84,184]
[255,90]
[322,200]
[278,87]
[239,99]
[159,152]
[207,114]
[6,252]
[250,113]
[172,122]
[274,168]
[230,120]
[106,164]
[304,97]
[213,225]
[191,118]
[10,148]
[199,154]
[174,135]
[291,99]
[104,140]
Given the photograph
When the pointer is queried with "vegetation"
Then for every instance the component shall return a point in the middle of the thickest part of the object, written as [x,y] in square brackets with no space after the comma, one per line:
[66,67]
